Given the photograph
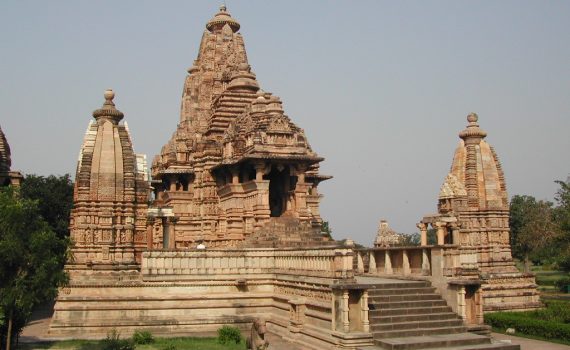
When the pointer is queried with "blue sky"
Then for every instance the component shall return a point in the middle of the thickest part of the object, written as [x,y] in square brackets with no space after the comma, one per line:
[381,88]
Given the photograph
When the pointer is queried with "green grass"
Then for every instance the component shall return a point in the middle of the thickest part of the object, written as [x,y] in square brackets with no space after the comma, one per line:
[180,343]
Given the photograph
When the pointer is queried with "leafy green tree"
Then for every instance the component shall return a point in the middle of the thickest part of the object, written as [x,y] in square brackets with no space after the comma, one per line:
[533,229]
[562,214]
[326,229]
[30,262]
[55,199]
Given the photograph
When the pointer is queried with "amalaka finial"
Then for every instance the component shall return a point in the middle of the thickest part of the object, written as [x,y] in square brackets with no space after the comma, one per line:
[473,131]
[108,110]
[109,94]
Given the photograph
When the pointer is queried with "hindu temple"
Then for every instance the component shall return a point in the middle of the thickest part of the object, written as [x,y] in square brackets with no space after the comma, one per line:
[225,229]
[7,176]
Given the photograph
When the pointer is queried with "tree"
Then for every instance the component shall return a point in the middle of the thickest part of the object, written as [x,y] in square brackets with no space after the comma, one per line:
[533,228]
[562,214]
[55,199]
[30,262]
[326,229]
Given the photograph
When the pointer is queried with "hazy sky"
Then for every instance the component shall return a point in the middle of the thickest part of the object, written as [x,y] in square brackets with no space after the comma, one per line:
[381,88]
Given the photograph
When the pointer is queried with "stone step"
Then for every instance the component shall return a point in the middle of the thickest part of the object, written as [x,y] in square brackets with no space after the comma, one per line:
[400,285]
[408,311]
[418,332]
[419,317]
[410,304]
[404,297]
[446,341]
[398,291]
[409,325]
[407,333]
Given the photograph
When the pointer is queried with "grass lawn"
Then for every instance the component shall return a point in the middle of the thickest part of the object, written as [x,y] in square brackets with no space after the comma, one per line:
[551,323]
[160,343]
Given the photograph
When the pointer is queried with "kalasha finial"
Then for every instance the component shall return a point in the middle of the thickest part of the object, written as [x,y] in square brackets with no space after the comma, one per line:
[109,94]
[223,8]
[473,131]
[108,110]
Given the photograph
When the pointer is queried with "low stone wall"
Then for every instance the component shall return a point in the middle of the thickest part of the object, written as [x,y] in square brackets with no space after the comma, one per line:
[196,292]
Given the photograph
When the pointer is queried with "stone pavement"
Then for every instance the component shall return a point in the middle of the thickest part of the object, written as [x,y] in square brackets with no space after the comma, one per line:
[530,344]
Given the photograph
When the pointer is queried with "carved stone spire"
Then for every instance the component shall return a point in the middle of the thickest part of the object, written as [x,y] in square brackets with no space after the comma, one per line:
[221,19]
[5,159]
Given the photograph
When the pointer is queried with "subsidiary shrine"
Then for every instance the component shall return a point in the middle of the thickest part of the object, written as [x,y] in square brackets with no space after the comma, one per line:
[224,228]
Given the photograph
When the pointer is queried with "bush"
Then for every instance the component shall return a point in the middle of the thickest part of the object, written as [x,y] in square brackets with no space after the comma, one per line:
[114,342]
[523,324]
[168,347]
[562,284]
[228,334]
[143,337]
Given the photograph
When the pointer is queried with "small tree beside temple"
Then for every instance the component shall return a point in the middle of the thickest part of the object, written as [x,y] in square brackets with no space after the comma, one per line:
[30,262]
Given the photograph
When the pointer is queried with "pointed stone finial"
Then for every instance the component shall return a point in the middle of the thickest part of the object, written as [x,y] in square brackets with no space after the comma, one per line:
[108,110]
[473,133]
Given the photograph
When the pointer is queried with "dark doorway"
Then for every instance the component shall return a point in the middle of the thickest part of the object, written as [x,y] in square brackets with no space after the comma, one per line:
[277,191]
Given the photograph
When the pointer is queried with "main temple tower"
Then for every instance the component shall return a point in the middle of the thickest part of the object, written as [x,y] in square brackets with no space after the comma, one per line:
[236,164]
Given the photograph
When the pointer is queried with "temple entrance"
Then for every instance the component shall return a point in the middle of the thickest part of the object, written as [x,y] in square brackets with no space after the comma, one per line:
[277,191]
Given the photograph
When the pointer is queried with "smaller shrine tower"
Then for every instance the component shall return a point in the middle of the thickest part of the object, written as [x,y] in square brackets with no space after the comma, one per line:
[473,213]
[108,220]
[7,176]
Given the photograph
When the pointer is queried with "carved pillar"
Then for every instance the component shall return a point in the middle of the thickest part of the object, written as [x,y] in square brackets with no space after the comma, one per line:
[423,233]
[345,307]
[388,263]
[440,227]
[461,303]
[406,263]
[359,263]
[259,171]
[455,234]
[364,308]
[372,262]
[235,176]
[426,268]
[172,232]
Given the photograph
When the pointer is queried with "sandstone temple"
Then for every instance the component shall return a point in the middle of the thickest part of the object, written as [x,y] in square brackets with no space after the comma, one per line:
[7,176]
[225,229]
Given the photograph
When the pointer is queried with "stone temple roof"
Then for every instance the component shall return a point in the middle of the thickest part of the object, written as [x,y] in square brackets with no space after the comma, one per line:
[5,159]
[476,168]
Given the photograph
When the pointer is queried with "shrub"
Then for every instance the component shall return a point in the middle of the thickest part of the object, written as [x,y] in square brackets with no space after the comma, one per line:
[523,324]
[168,347]
[114,342]
[229,334]
[143,337]
[562,284]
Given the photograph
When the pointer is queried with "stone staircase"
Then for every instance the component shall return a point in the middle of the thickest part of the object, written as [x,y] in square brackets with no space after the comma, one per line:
[407,315]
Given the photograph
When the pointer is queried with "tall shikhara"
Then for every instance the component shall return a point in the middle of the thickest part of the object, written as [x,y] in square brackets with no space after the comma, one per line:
[473,213]
[108,220]
[236,164]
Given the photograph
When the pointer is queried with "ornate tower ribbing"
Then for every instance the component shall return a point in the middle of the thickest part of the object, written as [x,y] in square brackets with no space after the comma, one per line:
[108,220]
[236,162]
[474,211]
[7,176]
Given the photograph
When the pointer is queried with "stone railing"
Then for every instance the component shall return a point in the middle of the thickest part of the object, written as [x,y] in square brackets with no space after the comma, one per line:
[395,261]
[443,260]
[327,263]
